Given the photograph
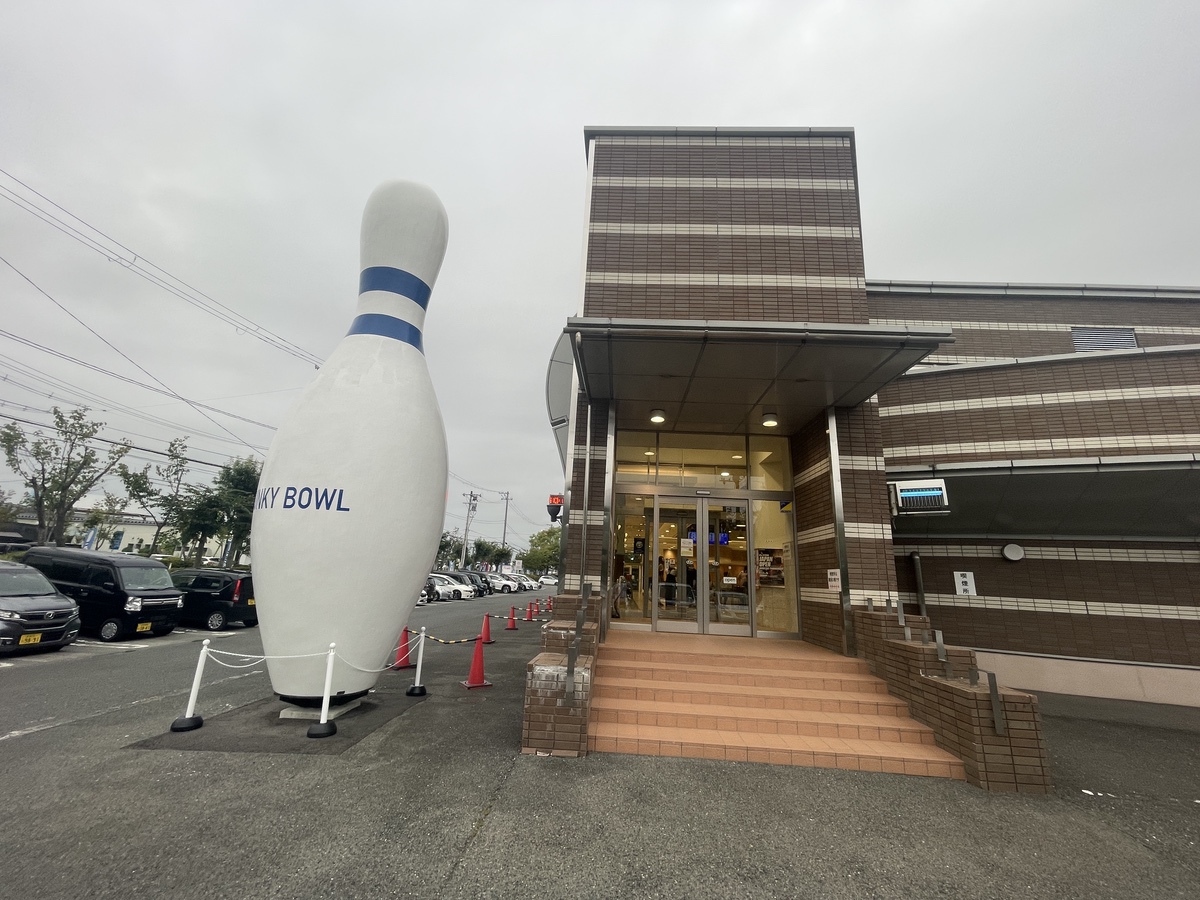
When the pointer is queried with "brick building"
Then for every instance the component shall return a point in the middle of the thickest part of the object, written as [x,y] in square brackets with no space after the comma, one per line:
[739,408]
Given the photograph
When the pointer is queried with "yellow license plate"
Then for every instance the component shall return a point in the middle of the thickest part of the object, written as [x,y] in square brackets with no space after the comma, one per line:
[144,626]
[30,639]
[250,602]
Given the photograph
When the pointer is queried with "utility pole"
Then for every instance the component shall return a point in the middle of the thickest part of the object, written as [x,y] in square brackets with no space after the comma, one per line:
[472,501]
[504,539]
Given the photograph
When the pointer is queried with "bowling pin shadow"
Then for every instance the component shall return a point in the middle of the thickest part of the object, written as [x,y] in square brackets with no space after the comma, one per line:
[257,728]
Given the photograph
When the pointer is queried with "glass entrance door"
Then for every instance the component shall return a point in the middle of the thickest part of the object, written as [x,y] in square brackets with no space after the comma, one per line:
[701,578]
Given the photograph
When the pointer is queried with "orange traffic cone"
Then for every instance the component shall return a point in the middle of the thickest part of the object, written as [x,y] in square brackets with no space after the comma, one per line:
[476,679]
[537,607]
[529,611]
[402,660]
[487,629]
[549,604]
[512,619]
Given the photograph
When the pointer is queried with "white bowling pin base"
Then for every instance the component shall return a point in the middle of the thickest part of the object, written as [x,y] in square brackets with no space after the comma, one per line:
[315,702]
[314,715]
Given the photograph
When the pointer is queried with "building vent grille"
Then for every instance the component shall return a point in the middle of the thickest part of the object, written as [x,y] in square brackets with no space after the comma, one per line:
[1103,339]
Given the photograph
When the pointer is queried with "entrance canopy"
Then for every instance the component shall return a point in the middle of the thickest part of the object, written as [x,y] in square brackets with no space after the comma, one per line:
[714,376]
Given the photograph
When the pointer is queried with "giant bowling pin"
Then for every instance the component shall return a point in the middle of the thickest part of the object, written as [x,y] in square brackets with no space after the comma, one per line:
[350,505]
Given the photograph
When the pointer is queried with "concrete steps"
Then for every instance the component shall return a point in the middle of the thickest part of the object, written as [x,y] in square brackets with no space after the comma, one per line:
[780,702]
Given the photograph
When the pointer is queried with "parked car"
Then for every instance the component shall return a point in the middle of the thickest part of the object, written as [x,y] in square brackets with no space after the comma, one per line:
[14,542]
[117,594]
[33,614]
[548,581]
[464,578]
[449,588]
[501,583]
[482,587]
[527,583]
[214,598]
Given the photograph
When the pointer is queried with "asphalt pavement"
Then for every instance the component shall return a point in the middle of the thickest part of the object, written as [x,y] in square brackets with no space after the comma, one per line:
[433,798]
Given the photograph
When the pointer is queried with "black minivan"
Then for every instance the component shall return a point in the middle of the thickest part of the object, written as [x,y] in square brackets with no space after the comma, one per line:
[118,594]
[215,597]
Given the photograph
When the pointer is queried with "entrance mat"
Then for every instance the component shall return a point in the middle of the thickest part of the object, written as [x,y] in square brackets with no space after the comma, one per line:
[257,728]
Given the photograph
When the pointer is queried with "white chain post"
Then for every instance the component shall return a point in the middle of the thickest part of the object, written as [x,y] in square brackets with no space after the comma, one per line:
[418,689]
[325,728]
[190,721]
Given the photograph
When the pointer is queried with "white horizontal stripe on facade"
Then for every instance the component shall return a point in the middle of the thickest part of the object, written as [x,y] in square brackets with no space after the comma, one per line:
[594,517]
[813,535]
[696,140]
[600,453]
[863,463]
[745,184]
[1013,401]
[723,230]
[814,471]
[571,583]
[699,279]
[968,325]
[1069,554]
[863,531]
[1081,445]
[1070,607]
[857,597]
[868,531]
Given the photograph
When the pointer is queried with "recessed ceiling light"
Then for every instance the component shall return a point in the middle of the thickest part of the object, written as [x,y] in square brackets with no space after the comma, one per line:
[648,453]
[724,474]
[657,416]
[770,420]
[737,456]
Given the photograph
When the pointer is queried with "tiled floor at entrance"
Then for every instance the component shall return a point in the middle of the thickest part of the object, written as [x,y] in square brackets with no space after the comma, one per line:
[769,701]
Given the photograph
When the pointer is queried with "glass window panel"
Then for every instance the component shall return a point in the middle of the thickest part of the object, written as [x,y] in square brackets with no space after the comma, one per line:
[633,547]
[774,567]
[702,460]
[636,456]
[770,464]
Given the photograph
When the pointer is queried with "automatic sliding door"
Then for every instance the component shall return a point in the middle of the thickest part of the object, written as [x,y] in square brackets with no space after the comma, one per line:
[676,604]
[729,609]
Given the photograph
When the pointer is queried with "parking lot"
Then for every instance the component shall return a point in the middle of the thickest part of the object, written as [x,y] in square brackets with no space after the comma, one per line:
[432,797]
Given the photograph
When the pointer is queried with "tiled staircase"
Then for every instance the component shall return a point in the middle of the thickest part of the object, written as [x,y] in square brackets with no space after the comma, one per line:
[770,701]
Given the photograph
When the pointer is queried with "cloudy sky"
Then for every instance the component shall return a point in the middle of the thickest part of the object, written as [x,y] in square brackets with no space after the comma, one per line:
[233,145]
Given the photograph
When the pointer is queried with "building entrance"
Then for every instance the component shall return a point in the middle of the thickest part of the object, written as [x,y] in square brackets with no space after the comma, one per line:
[694,565]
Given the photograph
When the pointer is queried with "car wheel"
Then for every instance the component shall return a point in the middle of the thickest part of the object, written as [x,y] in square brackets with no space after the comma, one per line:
[165,630]
[215,621]
[505,589]
[252,623]
[457,595]
[110,630]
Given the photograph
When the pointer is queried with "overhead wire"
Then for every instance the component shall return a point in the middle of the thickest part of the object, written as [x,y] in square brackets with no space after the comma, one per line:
[181,289]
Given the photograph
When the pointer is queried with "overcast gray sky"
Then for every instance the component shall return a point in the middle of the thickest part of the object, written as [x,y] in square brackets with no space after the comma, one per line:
[234,144]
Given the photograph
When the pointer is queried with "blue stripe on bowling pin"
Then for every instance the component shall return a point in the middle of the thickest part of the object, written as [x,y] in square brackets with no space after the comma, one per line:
[391,281]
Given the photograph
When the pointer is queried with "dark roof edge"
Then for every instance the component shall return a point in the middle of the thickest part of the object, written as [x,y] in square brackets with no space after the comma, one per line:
[985,289]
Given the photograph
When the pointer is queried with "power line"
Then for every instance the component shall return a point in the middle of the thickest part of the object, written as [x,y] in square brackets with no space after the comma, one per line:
[133,381]
[134,262]
[198,462]
[120,352]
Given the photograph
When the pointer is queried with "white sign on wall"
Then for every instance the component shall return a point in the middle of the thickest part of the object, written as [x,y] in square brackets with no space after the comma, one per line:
[964,584]
[687,547]
[833,579]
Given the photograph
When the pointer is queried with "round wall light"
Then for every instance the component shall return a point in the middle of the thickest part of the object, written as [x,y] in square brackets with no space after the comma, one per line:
[657,416]
[1013,552]
[770,420]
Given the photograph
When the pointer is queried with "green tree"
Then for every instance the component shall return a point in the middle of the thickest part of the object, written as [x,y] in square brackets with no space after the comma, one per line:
[201,517]
[449,549]
[104,518]
[543,552]
[157,503]
[60,469]
[9,508]
[236,485]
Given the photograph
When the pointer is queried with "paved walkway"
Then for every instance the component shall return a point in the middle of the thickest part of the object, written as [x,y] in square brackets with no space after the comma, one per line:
[433,799]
